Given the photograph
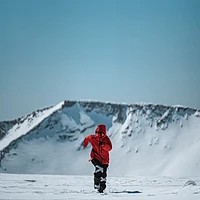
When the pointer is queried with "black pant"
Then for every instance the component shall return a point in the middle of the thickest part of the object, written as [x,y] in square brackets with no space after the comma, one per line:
[100,174]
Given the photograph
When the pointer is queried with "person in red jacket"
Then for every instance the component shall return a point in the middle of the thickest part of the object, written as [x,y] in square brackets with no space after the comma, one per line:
[101,145]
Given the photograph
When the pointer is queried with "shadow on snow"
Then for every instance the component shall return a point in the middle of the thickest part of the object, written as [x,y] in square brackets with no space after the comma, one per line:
[127,191]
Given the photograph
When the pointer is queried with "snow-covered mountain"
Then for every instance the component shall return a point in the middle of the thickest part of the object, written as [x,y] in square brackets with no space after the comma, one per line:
[147,139]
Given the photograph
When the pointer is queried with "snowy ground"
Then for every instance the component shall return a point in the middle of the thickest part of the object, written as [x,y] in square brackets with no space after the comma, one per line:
[14,186]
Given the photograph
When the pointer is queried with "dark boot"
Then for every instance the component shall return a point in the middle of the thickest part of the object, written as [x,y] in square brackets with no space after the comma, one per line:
[102,185]
[96,183]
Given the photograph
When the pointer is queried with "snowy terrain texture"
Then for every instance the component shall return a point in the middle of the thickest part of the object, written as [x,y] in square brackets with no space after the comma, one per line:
[57,187]
[148,140]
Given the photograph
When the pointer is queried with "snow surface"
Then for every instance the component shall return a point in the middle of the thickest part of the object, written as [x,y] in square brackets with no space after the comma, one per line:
[32,187]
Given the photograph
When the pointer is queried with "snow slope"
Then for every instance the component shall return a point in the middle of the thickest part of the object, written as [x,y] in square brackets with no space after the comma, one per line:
[28,124]
[147,140]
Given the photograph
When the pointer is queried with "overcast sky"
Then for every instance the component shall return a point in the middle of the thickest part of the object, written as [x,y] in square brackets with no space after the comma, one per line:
[119,51]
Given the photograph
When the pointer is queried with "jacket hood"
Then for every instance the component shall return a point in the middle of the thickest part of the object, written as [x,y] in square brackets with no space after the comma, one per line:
[101,128]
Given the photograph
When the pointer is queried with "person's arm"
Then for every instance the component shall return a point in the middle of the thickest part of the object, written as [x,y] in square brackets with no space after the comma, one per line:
[86,141]
[108,145]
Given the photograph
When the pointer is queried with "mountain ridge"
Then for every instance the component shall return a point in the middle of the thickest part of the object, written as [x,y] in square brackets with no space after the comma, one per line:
[132,127]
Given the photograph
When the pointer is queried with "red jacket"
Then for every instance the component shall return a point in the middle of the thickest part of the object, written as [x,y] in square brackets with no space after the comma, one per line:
[100,147]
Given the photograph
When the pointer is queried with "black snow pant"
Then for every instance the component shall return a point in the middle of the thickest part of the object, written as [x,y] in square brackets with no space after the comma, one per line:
[100,175]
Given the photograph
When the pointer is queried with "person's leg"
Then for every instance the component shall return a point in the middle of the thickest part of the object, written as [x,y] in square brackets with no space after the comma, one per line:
[103,178]
[97,173]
